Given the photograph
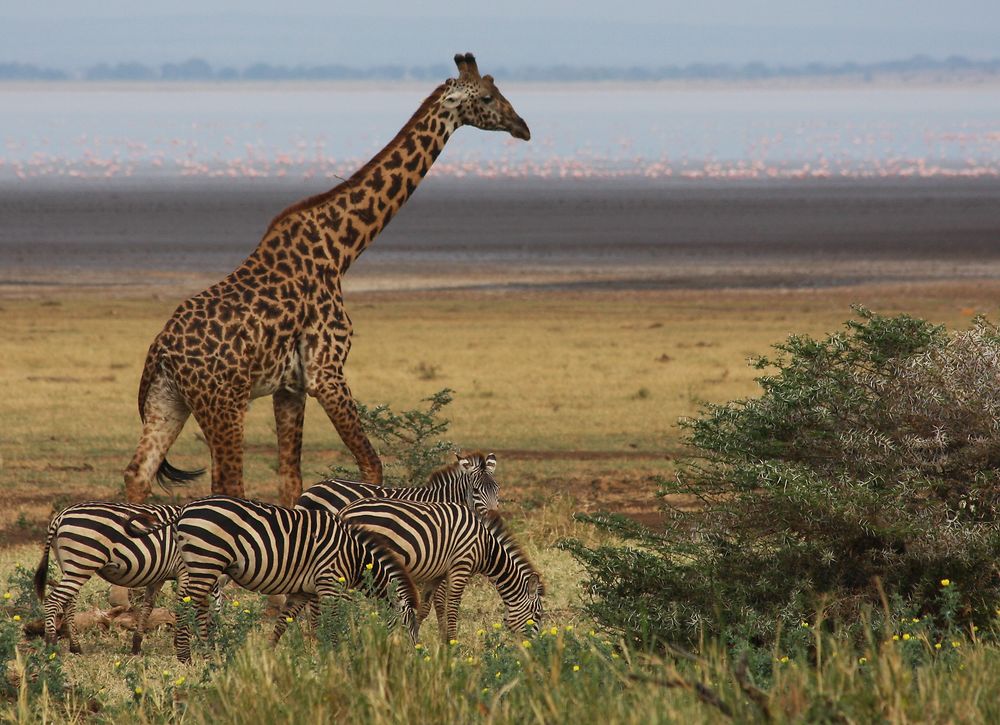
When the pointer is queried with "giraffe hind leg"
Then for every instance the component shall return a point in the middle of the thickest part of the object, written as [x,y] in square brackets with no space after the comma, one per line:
[222,422]
[336,400]
[164,415]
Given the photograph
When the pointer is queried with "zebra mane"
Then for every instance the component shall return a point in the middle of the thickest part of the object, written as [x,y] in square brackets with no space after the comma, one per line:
[499,529]
[440,472]
[382,550]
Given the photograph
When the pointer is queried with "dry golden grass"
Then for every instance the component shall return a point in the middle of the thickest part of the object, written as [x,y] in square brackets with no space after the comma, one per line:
[581,391]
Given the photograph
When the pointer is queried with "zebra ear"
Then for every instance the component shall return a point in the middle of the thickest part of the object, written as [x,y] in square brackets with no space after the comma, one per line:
[464,463]
[491,462]
[534,584]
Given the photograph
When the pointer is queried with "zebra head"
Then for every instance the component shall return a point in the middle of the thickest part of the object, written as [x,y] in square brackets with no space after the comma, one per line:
[524,609]
[482,490]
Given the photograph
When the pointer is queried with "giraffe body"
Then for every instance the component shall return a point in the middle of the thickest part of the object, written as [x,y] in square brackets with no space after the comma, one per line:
[277,325]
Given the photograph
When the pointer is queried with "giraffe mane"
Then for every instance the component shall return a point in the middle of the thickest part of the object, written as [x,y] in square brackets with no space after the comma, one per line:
[323,197]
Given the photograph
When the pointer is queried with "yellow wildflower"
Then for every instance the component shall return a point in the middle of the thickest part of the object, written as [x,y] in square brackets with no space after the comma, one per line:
[906,637]
[804,625]
[485,690]
[614,655]
[915,620]
[568,627]
[17,617]
[784,660]
[341,579]
[592,633]
[946,582]
[235,604]
[470,659]
[246,611]
[452,642]
[937,645]
[418,645]
[427,658]
[554,631]
[956,644]
[180,681]
[895,638]
[497,625]
[369,566]
[498,675]
[186,600]
[526,644]
[289,619]
[118,663]
[576,668]
[862,660]
[138,691]
[7,595]
[530,622]
[975,628]
[52,656]
[167,673]
[480,632]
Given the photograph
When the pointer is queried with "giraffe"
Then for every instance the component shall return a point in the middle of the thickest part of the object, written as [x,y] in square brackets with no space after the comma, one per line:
[277,325]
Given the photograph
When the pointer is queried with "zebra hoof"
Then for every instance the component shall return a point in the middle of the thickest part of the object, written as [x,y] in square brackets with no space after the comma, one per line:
[75,649]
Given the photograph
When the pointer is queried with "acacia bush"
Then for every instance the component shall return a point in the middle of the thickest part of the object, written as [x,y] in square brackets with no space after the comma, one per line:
[409,442]
[869,464]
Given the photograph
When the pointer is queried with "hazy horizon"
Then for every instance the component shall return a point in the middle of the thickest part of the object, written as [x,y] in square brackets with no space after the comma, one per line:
[60,34]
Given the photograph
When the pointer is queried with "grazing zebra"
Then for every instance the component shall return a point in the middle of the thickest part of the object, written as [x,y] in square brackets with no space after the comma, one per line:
[469,481]
[443,545]
[274,550]
[90,538]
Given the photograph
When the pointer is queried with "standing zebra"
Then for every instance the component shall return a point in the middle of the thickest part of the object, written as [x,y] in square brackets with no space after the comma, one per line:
[274,550]
[90,538]
[469,480]
[443,545]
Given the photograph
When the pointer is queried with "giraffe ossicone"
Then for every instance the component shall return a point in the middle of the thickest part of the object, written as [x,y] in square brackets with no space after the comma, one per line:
[277,325]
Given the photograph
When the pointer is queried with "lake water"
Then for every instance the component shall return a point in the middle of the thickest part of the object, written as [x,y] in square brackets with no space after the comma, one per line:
[589,131]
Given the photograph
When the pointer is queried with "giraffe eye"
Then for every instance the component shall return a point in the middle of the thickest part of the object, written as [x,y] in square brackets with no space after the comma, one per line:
[487,99]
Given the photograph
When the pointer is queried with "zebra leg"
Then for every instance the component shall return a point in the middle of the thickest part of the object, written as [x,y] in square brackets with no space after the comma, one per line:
[457,579]
[69,617]
[62,599]
[289,414]
[147,606]
[427,600]
[199,590]
[293,605]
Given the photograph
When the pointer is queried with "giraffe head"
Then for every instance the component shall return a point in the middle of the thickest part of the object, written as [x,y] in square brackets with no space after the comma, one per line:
[478,102]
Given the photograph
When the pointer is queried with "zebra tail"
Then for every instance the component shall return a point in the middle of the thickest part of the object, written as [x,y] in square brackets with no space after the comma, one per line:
[150,524]
[42,572]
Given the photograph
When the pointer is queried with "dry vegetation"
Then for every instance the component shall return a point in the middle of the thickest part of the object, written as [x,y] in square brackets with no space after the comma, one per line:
[578,393]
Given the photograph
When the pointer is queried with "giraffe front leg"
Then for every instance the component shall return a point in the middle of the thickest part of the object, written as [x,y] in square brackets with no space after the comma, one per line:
[289,414]
[222,422]
[335,397]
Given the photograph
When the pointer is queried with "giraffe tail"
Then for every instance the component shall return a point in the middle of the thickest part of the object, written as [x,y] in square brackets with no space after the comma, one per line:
[167,476]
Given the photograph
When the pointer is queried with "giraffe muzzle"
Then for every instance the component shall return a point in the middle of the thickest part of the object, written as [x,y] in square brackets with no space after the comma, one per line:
[519,129]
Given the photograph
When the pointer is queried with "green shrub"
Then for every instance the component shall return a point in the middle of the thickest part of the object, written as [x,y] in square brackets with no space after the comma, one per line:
[409,442]
[871,459]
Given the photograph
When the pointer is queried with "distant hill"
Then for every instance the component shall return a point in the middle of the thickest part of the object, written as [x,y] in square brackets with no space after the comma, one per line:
[196,69]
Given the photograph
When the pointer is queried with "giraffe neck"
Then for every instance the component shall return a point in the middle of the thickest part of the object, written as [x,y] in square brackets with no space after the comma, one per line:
[351,215]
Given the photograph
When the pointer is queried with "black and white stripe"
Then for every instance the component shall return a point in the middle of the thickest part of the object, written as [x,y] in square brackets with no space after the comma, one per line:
[443,545]
[90,538]
[469,481]
[274,550]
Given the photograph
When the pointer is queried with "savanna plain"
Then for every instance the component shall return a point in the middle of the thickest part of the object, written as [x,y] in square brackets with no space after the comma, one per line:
[577,391]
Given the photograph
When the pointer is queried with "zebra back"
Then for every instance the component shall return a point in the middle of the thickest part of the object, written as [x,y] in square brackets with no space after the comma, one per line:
[468,481]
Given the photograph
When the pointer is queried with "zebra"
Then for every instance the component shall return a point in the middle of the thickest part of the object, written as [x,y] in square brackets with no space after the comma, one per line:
[90,538]
[443,545]
[469,480]
[275,550]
